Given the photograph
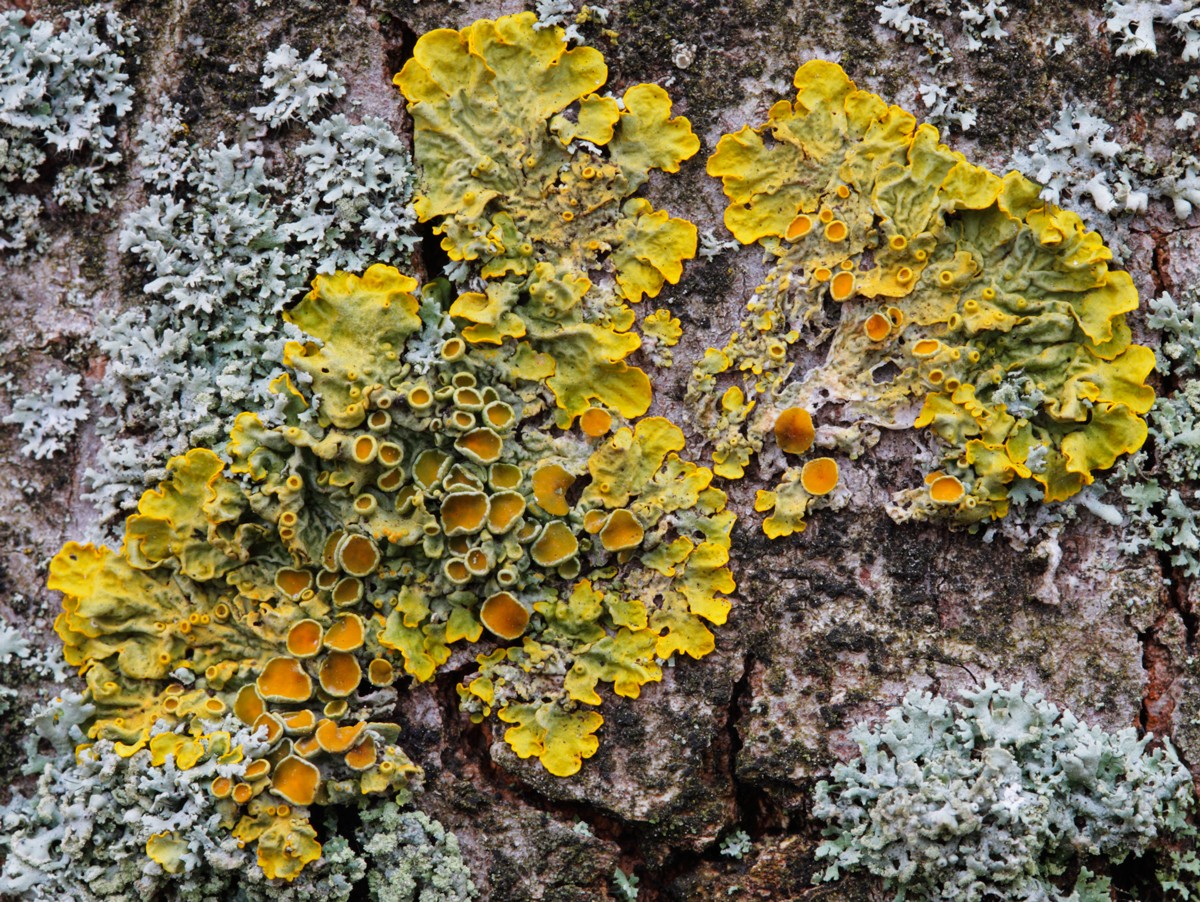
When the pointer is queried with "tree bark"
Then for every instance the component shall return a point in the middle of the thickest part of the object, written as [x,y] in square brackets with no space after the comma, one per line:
[829,627]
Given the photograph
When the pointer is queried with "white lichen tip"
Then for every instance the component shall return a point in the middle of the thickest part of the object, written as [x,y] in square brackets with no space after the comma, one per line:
[49,415]
[61,94]
[298,87]
[1133,21]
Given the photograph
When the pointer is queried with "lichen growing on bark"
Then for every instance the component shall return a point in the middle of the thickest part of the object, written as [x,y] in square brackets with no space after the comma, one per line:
[958,290]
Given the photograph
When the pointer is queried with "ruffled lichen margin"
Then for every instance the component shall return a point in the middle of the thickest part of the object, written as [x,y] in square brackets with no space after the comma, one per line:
[534,343]
[417,493]
[537,201]
[967,305]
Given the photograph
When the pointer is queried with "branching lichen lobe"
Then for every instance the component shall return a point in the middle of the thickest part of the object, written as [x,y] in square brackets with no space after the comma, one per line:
[531,175]
[411,498]
[967,306]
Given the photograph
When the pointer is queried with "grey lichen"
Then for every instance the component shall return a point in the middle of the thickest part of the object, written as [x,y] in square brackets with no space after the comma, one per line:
[298,87]
[1132,23]
[49,415]
[1179,877]
[928,23]
[563,13]
[13,644]
[625,886]
[943,107]
[15,651]
[412,858]
[1158,488]
[1077,162]
[225,243]
[736,844]
[1074,158]
[1178,351]
[996,796]
[61,94]
[82,833]
[925,22]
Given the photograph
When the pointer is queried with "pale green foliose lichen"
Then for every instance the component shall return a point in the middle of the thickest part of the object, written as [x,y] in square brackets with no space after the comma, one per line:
[996,796]
[1159,487]
[225,242]
[61,94]
[82,833]
[1179,877]
[48,416]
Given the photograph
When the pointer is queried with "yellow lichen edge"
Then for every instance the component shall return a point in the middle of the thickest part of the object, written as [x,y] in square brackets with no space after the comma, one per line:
[962,294]
[354,543]
[530,176]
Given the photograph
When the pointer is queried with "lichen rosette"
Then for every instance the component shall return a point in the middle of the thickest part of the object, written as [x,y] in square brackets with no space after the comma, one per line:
[415,496]
[962,304]
[530,176]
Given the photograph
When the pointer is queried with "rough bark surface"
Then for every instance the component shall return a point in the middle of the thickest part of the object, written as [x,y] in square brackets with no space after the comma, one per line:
[828,627]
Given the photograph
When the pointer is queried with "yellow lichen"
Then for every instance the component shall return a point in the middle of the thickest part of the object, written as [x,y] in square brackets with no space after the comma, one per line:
[596,422]
[346,634]
[946,490]
[662,332]
[291,600]
[529,175]
[168,850]
[304,638]
[961,293]
[296,780]
[621,531]
[412,495]
[550,485]
[819,476]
